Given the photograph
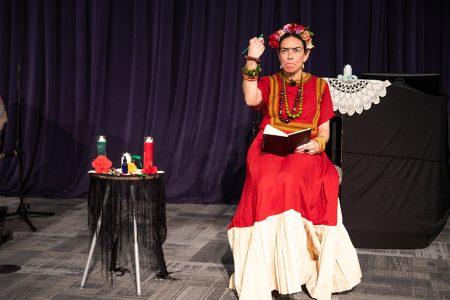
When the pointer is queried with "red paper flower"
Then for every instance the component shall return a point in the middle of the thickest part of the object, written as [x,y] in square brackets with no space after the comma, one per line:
[101,164]
[150,170]
[274,40]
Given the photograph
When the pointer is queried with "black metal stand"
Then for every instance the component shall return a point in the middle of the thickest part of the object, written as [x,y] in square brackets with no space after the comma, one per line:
[22,210]
[5,269]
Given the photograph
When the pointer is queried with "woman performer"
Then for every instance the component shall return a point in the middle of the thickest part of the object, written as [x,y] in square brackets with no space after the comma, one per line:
[287,230]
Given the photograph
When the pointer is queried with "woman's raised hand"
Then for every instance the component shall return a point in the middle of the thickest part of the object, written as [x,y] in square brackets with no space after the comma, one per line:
[256,47]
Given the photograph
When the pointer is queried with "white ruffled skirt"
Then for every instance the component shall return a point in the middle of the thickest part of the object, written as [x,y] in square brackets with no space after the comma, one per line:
[285,251]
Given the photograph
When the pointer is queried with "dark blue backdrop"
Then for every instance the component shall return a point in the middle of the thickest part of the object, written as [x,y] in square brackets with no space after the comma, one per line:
[171,69]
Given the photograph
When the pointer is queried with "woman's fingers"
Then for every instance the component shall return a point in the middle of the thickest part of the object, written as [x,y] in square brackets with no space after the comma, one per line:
[256,47]
[309,148]
[303,148]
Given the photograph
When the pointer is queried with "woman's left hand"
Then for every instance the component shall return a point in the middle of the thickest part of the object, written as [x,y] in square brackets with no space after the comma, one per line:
[312,147]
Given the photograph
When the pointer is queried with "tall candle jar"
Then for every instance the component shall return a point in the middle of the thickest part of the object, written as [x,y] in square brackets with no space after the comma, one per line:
[148,152]
[101,145]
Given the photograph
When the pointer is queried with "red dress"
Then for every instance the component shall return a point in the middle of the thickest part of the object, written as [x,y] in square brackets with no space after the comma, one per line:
[285,205]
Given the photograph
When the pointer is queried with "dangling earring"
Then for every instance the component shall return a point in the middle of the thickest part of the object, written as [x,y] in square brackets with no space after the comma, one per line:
[303,66]
[281,67]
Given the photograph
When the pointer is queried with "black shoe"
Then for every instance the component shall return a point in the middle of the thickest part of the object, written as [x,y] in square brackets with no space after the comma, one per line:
[3,211]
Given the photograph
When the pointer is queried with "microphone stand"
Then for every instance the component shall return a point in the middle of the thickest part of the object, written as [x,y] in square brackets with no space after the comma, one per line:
[22,210]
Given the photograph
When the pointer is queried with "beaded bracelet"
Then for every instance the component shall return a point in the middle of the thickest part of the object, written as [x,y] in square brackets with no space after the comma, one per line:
[255,59]
[253,72]
[248,78]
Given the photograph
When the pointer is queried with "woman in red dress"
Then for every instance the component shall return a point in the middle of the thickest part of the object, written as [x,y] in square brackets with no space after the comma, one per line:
[287,230]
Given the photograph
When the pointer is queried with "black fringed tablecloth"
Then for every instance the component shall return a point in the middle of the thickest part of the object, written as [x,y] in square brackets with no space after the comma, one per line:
[117,199]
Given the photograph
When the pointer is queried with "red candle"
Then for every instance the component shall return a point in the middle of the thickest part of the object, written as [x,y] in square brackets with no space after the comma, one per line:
[148,152]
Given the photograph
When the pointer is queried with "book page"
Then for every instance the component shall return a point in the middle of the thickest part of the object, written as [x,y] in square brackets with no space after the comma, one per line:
[306,129]
[273,131]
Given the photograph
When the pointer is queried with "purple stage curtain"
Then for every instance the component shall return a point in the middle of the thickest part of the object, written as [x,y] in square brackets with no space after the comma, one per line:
[171,69]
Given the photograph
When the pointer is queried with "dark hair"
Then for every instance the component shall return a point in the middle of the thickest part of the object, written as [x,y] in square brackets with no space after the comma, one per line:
[289,34]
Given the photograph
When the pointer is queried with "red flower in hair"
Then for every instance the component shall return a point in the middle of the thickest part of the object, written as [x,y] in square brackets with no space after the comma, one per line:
[102,164]
[150,170]
[274,40]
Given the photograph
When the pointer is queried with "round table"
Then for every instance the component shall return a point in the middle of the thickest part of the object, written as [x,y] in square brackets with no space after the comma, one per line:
[121,208]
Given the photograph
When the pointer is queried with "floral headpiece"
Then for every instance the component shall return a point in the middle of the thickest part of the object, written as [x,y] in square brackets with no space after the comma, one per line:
[302,31]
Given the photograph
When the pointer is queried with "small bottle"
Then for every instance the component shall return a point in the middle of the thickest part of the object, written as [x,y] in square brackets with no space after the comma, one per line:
[101,145]
[124,165]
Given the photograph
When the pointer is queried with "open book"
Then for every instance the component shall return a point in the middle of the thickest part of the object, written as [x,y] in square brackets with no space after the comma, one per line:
[279,143]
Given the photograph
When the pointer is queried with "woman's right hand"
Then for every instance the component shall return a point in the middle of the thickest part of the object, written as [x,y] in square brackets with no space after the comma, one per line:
[256,47]
[252,93]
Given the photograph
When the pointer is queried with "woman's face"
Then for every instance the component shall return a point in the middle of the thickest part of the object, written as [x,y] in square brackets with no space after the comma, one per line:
[292,54]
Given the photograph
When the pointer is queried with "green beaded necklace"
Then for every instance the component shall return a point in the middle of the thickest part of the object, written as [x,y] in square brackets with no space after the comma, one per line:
[298,103]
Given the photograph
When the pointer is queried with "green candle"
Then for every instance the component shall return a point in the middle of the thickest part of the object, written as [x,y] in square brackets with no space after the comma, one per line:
[101,145]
